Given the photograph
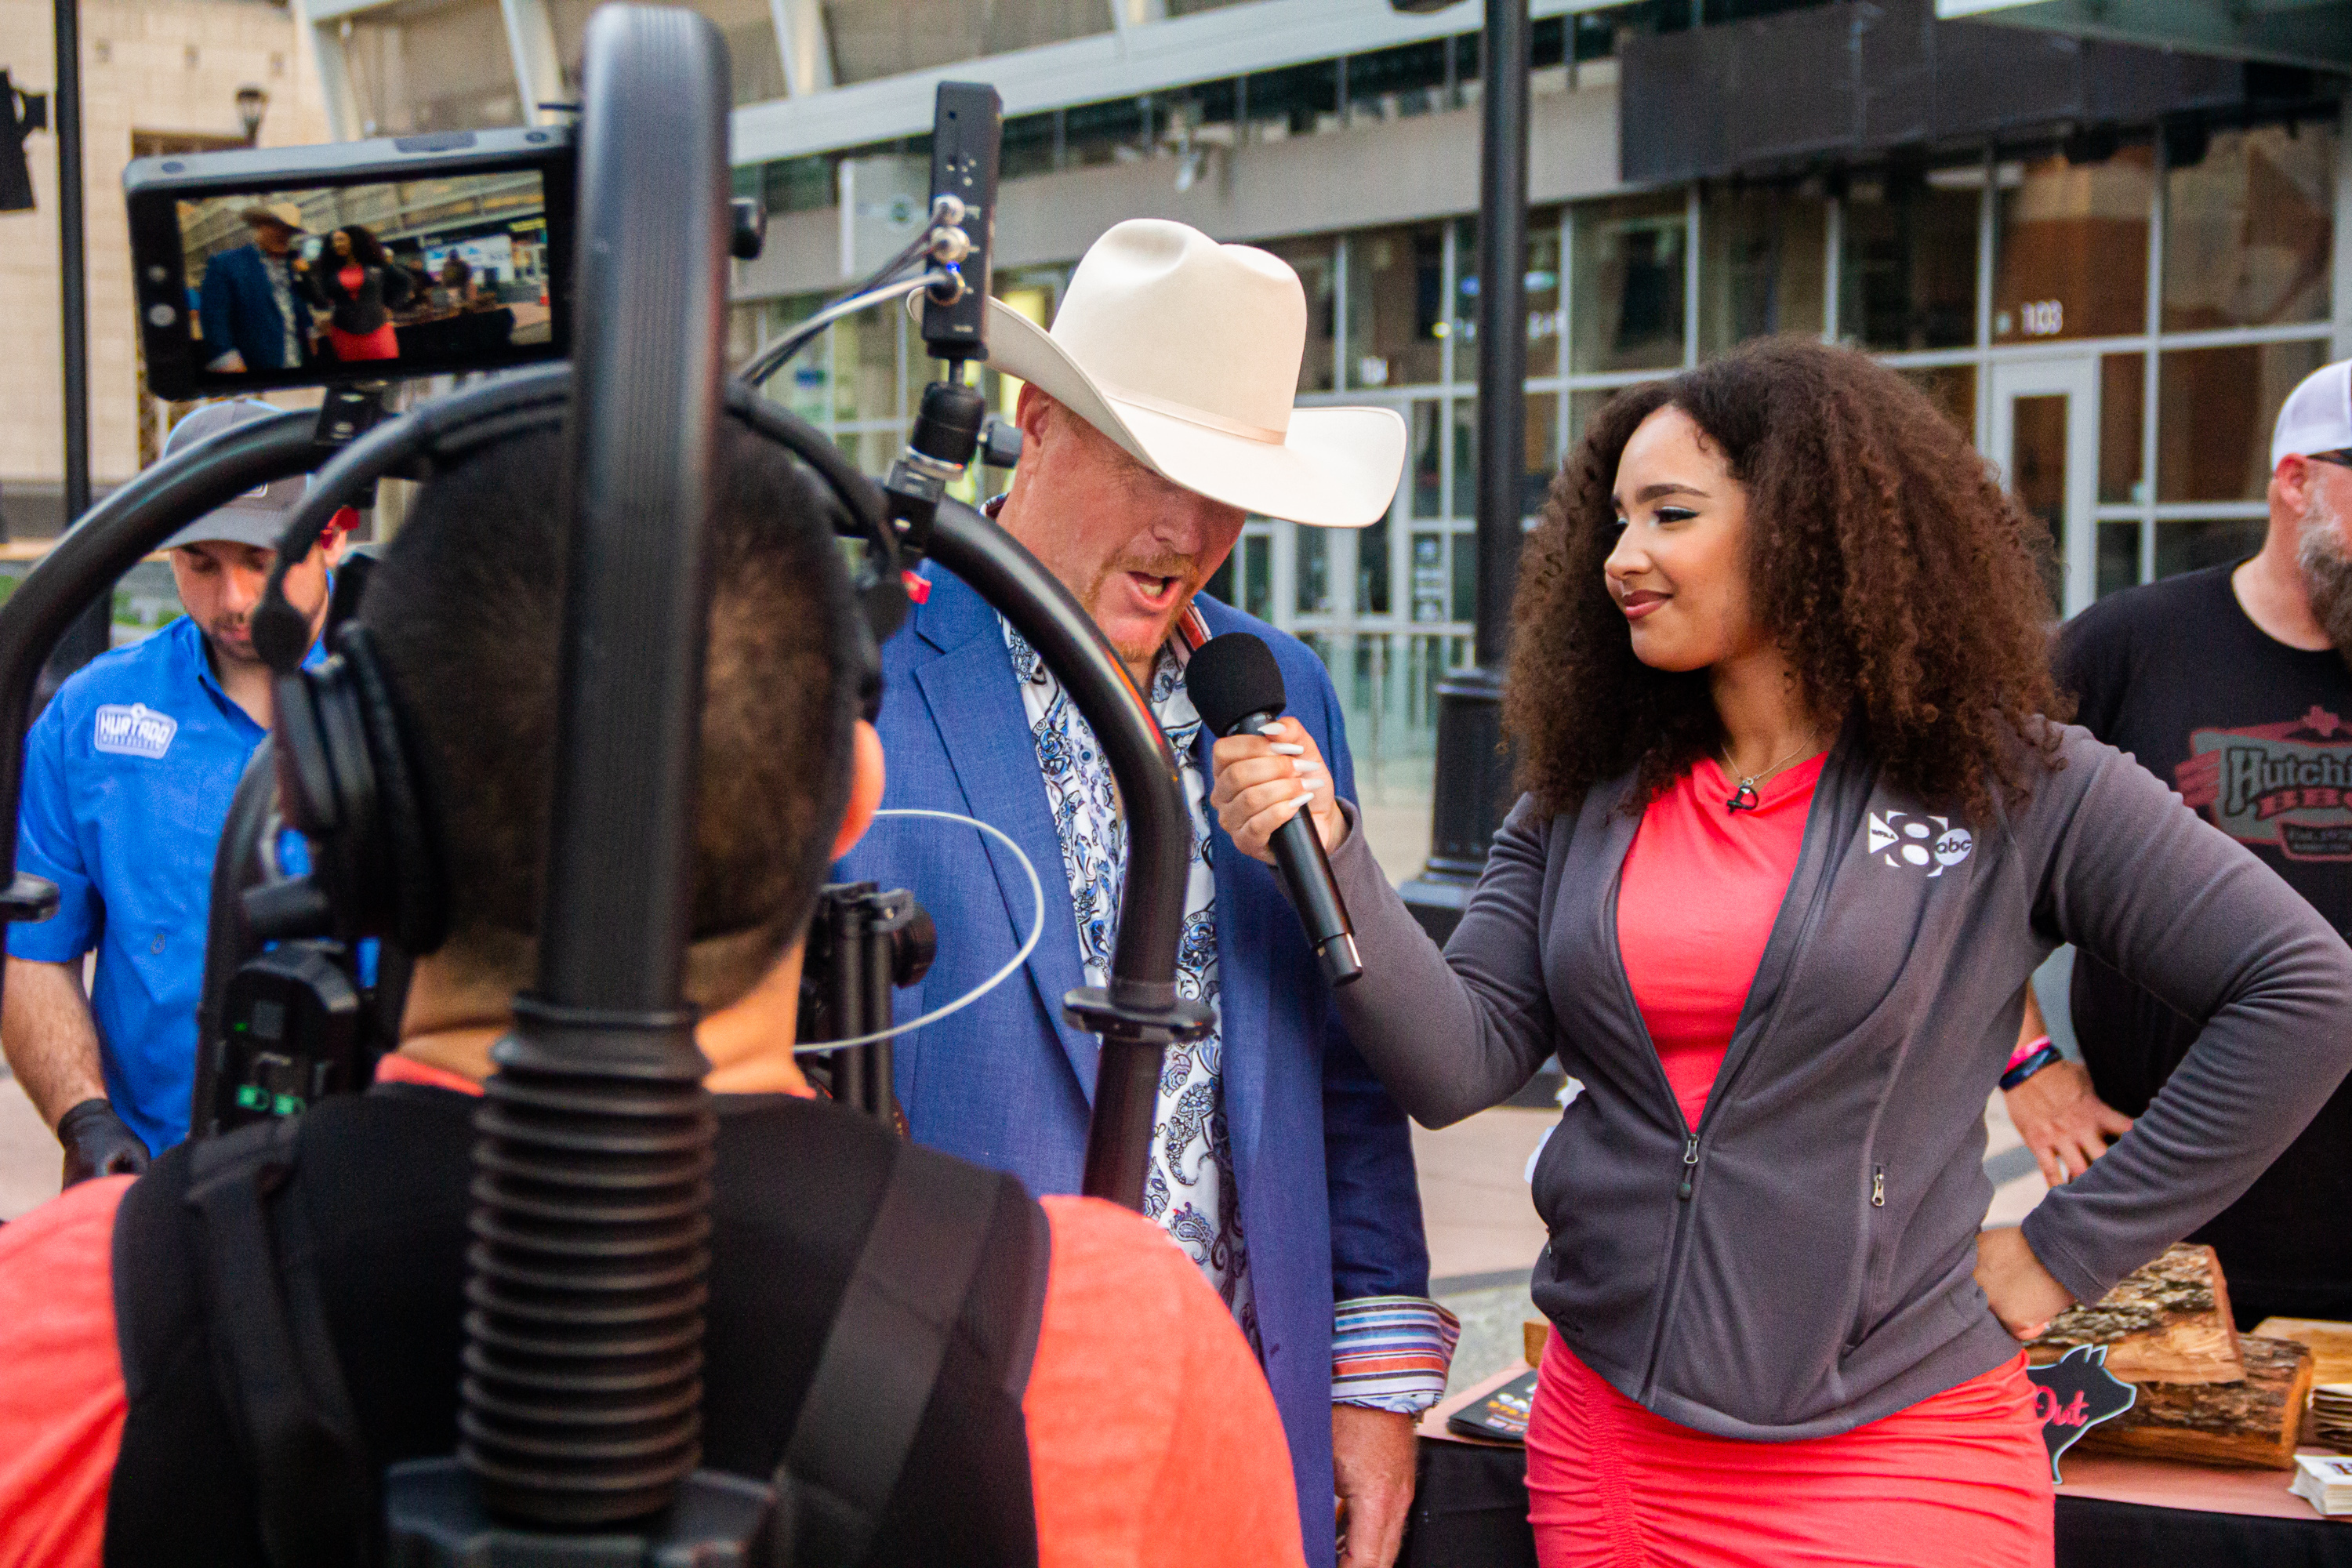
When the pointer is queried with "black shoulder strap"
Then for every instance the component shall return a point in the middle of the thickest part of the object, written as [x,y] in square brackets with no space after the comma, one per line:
[273,1355]
[882,1359]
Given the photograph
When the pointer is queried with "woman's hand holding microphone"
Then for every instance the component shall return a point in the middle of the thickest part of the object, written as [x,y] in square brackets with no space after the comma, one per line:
[1264,779]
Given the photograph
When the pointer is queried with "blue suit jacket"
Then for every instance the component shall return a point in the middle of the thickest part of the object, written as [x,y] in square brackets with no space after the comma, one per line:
[1323,1157]
[239,310]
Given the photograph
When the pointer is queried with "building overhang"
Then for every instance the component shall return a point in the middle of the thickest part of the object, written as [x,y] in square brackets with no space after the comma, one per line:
[2311,33]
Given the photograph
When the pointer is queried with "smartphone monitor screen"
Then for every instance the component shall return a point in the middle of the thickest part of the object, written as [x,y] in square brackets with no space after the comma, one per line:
[372,279]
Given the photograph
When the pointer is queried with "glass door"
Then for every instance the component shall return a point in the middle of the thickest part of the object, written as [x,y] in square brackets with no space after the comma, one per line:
[2045,441]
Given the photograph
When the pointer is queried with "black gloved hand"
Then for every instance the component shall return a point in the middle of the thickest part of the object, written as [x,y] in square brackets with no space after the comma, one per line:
[97,1143]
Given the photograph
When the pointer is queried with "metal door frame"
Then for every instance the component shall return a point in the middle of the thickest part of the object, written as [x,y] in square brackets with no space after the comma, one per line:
[2077,380]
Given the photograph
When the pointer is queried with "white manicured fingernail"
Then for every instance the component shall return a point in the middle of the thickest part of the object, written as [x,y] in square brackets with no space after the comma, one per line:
[1269,728]
[1284,749]
[1308,767]
[1310,785]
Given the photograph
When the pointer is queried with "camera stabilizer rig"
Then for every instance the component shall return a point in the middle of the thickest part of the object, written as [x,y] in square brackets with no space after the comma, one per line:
[575,1449]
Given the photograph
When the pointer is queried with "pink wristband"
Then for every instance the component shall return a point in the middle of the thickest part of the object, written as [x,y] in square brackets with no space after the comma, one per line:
[2024,1051]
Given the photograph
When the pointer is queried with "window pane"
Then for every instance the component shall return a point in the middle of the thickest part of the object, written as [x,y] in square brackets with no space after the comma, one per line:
[1395,306]
[1542,450]
[1759,266]
[866,367]
[1257,576]
[1952,388]
[1297,100]
[1429,589]
[1466,576]
[874,38]
[1542,290]
[422,66]
[1316,262]
[1581,408]
[2118,556]
[2072,249]
[1311,587]
[1398,82]
[803,385]
[1465,459]
[2249,229]
[2123,388]
[1428,500]
[1908,264]
[1627,287]
[2191,546]
[2214,412]
[1372,570]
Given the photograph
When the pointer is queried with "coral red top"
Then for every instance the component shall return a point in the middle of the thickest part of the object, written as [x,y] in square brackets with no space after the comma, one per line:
[1701,888]
[1958,1479]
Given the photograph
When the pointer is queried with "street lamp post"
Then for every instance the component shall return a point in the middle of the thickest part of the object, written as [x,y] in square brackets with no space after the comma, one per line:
[1473,771]
[252,103]
[86,639]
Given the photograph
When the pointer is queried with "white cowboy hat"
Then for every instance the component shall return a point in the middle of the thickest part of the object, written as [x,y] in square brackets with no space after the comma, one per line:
[1186,353]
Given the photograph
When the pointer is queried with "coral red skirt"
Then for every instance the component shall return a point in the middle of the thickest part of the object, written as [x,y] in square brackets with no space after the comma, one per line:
[1960,1479]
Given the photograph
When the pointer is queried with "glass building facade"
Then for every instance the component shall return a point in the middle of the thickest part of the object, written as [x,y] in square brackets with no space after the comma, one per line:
[2115,333]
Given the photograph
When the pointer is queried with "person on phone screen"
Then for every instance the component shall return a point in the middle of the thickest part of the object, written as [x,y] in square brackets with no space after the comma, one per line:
[355,280]
[251,306]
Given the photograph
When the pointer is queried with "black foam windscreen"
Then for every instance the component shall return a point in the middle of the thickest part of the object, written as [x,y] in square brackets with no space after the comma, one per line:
[1232,676]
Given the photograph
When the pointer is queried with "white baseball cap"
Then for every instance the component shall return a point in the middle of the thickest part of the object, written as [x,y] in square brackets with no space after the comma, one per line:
[2317,414]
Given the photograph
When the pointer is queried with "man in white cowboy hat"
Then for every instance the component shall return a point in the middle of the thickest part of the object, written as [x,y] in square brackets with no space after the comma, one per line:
[1156,415]
[250,306]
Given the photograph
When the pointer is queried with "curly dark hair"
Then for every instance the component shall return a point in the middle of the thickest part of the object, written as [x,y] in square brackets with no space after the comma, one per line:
[1901,582]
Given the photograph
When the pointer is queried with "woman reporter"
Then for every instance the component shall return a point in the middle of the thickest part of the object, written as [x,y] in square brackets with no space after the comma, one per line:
[1798,827]
[359,285]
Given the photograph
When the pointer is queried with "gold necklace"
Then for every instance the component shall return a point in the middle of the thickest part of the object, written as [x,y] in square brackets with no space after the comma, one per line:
[1745,797]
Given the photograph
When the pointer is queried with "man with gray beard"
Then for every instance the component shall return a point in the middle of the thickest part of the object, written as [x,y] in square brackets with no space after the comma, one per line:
[2233,685]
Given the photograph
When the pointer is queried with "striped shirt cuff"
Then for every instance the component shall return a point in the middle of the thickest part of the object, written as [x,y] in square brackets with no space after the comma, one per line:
[1391,1352]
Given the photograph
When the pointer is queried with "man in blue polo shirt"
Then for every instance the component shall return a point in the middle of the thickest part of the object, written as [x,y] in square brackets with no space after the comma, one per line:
[128,776]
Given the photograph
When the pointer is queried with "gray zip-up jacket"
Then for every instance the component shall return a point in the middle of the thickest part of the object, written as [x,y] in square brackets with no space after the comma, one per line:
[1801,1261]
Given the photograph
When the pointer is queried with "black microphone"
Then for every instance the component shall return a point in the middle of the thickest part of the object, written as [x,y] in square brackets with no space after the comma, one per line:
[1237,687]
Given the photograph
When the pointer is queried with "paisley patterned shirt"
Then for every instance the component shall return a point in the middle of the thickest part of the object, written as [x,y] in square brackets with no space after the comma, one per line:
[1189,1190]
[1391,1352]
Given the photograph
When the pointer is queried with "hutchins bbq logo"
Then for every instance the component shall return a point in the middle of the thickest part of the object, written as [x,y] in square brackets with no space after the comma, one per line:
[2286,785]
[1929,843]
[137,730]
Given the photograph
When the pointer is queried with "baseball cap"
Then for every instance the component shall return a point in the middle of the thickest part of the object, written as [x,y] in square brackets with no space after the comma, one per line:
[2317,414]
[256,517]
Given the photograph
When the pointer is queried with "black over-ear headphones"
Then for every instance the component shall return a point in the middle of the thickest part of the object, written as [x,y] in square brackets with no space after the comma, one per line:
[351,778]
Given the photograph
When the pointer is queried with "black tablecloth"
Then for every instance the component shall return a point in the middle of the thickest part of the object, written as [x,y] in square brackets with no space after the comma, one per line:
[1471,1512]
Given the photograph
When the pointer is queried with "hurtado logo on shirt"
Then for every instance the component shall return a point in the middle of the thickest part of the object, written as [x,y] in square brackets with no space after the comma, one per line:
[2285,785]
[1929,843]
[135,730]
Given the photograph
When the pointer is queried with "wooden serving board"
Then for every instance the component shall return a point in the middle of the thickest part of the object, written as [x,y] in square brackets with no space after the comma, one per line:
[2254,1423]
[2167,1322]
[2330,1343]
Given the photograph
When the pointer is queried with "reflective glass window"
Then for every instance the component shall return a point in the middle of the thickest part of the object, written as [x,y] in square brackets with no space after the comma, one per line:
[1907,261]
[2118,557]
[2123,388]
[1311,576]
[1542,285]
[1373,569]
[1627,287]
[2071,248]
[1761,266]
[1297,100]
[1429,583]
[1315,260]
[1428,499]
[2249,230]
[426,67]
[866,368]
[873,39]
[2214,412]
[1395,306]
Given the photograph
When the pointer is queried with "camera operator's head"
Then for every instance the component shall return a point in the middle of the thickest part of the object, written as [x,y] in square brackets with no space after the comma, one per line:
[466,609]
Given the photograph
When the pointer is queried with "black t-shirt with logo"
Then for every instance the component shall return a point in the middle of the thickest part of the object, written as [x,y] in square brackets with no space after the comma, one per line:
[2257,738]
